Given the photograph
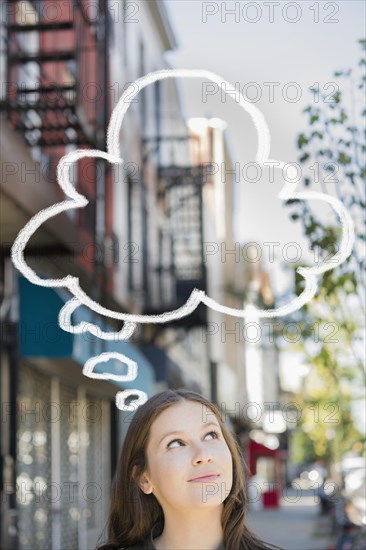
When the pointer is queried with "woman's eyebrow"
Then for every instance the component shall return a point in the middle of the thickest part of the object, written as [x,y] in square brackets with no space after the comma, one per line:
[204,425]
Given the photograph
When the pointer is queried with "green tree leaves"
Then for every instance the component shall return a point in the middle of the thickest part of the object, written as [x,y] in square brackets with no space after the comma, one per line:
[337,376]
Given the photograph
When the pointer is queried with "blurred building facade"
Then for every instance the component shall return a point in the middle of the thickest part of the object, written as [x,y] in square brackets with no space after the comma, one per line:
[153,230]
[51,445]
[266,445]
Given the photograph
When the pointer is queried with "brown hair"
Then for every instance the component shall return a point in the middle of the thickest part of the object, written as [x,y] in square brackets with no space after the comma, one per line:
[133,513]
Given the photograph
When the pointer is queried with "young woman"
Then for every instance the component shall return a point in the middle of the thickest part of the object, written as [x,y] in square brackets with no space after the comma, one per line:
[158,501]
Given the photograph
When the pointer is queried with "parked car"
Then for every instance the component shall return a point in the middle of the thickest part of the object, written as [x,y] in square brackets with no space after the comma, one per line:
[349,514]
[355,494]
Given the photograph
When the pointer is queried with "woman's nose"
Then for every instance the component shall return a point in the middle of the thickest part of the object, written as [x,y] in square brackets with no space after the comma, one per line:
[202,454]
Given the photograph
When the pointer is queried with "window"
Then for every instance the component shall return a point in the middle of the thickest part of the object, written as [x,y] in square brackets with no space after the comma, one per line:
[63,458]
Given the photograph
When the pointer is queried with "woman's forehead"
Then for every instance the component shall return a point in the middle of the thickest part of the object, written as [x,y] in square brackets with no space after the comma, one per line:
[183,415]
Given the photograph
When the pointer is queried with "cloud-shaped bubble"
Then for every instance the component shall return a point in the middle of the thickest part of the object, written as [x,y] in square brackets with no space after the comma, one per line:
[76,200]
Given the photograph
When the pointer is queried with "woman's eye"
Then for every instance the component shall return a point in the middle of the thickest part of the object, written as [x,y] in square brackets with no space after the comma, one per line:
[180,441]
[215,433]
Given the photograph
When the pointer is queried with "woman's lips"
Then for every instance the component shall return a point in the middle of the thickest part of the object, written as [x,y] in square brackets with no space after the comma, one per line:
[204,479]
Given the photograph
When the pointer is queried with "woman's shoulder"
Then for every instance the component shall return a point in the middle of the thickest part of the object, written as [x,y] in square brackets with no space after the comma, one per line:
[139,546]
[148,546]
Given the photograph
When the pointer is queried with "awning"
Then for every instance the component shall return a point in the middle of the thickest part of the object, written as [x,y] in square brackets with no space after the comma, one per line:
[41,336]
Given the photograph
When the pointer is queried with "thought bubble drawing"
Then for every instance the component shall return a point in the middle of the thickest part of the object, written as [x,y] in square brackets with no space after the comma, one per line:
[76,200]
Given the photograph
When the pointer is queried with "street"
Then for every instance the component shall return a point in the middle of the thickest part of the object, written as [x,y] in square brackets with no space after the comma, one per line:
[293,526]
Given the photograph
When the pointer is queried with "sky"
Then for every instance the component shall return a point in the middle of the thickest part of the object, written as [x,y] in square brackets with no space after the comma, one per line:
[249,48]
[273,52]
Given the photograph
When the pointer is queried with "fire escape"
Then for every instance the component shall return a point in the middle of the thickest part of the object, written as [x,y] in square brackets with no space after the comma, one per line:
[49,66]
[179,266]
[55,96]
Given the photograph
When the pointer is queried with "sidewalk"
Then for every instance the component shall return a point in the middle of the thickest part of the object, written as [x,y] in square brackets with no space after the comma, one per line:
[295,525]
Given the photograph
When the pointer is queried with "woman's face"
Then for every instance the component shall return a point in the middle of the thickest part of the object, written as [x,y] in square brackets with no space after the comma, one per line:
[174,459]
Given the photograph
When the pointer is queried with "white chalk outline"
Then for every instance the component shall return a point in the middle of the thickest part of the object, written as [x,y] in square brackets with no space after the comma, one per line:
[197,296]
[88,369]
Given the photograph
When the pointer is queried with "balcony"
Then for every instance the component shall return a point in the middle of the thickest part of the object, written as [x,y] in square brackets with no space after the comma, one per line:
[48,67]
[179,264]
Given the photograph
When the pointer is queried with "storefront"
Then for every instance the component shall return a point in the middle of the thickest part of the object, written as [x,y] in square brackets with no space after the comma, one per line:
[68,429]
[266,482]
